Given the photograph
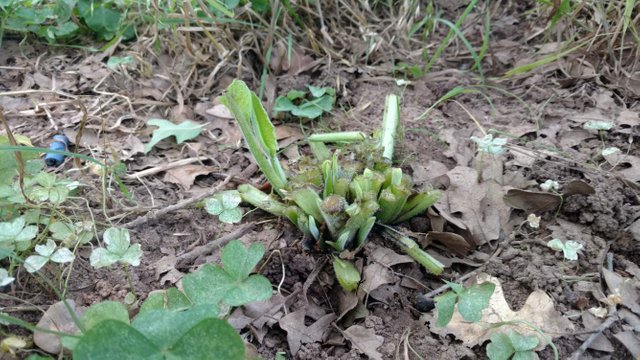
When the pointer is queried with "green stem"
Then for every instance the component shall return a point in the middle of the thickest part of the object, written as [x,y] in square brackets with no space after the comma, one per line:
[345,136]
[390,122]
[262,200]
[412,249]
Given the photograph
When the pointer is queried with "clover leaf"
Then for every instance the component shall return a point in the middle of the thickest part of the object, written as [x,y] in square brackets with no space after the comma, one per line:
[471,301]
[230,283]
[16,235]
[569,248]
[71,234]
[186,130]
[47,253]
[550,185]
[49,188]
[598,125]
[503,346]
[225,206]
[489,145]
[5,279]
[119,249]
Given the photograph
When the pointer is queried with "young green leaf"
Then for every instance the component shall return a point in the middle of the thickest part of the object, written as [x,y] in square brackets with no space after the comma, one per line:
[231,284]
[445,304]
[474,299]
[49,188]
[257,130]
[16,235]
[114,339]
[569,248]
[500,347]
[347,274]
[225,206]
[5,279]
[46,253]
[119,249]
[489,145]
[186,130]
[102,311]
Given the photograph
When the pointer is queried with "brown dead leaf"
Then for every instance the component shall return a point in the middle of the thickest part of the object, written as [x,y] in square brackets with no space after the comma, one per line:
[532,201]
[365,340]
[186,175]
[453,242]
[601,343]
[388,257]
[577,187]
[220,111]
[376,275]
[293,63]
[298,333]
[624,287]
[347,301]
[537,310]
[626,165]
[631,341]
[478,205]
[56,318]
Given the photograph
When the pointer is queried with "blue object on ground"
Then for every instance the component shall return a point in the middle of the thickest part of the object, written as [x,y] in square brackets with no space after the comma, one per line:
[60,143]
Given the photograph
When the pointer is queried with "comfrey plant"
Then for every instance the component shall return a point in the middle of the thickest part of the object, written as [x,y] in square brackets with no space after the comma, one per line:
[335,199]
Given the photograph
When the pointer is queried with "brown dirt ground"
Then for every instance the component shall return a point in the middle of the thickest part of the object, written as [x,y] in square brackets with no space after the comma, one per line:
[523,266]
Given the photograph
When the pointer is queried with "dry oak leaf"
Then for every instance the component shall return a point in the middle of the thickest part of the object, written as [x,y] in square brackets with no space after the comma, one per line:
[186,175]
[298,333]
[538,310]
[365,340]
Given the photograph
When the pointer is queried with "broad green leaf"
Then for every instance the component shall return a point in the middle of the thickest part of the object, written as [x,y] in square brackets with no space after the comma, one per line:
[295,94]
[472,300]
[489,145]
[231,216]
[115,61]
[569,248]
[16,234]
[62,255]
[239,261]
[212,284]
[118,249]
[317,92]
[522,343]
[255,288]
[156,300]
[231,199]
[257,129]
[177,300]
[186,130]
[214,206]
[284,104]
[102,311]
[209,339]
[164,327]
[71,234]
[5,279]
[208,285]
[35,262]
[104,22]
[500,347]
[46,250]
[113,339]
[347,274]
[445,304]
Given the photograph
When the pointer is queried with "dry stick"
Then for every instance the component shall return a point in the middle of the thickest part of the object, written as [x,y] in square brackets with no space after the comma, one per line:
[165,167]
[612,317]
[156,214]
[210,247]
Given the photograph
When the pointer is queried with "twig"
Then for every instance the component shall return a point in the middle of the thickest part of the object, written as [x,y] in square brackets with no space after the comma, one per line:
[156,214]
[165,167]
[312,277]
[611,319]
[210,247]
